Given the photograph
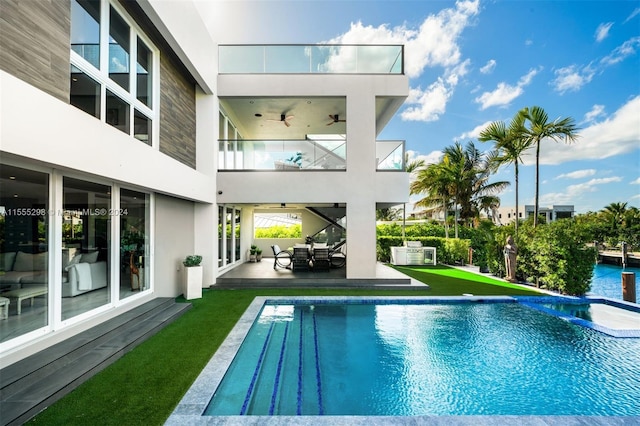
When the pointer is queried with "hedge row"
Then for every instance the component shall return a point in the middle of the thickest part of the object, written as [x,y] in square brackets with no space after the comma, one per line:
[449,251]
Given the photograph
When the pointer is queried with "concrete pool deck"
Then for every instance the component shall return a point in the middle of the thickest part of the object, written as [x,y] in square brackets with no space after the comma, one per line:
[190,409]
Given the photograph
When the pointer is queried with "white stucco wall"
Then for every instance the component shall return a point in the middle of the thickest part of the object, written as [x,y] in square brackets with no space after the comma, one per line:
[37,126]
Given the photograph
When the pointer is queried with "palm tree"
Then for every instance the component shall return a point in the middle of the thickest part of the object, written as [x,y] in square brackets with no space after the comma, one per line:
[615,213]
[541,128]
[434,182]
[475,193]
[510,144]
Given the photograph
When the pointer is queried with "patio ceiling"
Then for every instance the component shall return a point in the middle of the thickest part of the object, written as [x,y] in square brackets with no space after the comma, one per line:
[310,116]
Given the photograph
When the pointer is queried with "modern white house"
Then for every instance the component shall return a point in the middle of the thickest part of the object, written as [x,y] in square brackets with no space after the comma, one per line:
[131,137]
[506,215]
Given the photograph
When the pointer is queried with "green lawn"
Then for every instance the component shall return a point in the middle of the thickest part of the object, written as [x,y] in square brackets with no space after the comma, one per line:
[146,384]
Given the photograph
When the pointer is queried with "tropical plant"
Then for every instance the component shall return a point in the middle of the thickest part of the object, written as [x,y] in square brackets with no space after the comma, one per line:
[470,171]
[564,261]
[510,145]
[434,181]
[541,128]
[614,214]
[192,260]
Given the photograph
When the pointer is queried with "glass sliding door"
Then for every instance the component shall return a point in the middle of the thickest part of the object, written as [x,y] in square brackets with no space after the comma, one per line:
[24,251]
[236,233]
[134,242]
[86,235]
[229,235]
[220,235]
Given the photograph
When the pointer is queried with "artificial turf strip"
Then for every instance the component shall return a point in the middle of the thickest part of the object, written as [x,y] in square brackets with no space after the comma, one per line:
[448,281]
[144,386]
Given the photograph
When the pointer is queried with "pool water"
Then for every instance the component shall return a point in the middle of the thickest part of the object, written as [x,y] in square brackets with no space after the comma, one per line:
[392,359]
[604,314]
[607,281]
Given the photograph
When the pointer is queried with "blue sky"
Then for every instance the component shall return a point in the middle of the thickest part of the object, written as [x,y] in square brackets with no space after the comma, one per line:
[473,62]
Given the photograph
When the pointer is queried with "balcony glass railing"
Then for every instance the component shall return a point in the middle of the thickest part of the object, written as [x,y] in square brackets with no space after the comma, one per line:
[390,155]
[317,154]
[305,154]
[311,59]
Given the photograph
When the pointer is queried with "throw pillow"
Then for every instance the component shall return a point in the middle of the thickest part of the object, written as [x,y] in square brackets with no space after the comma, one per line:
[6,260]
[73,261]
[26,262]
[89,257]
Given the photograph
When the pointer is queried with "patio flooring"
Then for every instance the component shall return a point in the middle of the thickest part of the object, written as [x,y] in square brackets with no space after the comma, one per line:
[262,274]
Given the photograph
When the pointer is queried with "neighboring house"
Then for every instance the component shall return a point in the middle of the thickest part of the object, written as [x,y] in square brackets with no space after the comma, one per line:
[506,215]
[129,139]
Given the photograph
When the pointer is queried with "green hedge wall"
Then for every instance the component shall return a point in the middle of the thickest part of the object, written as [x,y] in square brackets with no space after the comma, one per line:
[448,251]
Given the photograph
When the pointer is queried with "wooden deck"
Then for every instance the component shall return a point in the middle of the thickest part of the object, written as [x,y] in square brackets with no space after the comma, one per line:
[32,384]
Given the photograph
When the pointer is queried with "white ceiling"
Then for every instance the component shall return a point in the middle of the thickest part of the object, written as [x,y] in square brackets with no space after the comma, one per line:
[308,116]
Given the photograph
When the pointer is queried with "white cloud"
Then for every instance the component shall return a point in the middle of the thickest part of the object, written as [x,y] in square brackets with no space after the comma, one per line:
[433,44]
[572,78]
[429,103]
[433,157]
[474,133]
[635,13]
[528,42]
[574,192]
[596,111]
[621,52]
[489,67]
[578,174]
[602,31]
[619,134]
[505,93]
[635,182]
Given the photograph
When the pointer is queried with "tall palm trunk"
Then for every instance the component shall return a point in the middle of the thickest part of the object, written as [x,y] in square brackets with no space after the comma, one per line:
[517,185]
[446,222]
[536,201]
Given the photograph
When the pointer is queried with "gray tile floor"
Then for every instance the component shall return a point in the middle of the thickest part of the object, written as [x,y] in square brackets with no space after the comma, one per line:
[262,274]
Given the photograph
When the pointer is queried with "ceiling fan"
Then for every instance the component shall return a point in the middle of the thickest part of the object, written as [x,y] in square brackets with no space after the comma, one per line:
[336,119]
[283,118]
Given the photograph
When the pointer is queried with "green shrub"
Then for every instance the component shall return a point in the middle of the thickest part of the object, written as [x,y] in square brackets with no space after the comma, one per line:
[564,262]
[447,250]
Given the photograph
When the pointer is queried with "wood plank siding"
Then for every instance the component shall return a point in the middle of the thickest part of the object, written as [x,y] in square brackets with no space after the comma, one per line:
[34,43]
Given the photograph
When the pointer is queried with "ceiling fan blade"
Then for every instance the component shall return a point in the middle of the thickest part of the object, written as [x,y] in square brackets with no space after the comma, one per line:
[286,123]
[331,123]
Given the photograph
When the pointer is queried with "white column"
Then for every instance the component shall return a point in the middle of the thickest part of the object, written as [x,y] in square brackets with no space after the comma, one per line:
[205,219]
[361,169]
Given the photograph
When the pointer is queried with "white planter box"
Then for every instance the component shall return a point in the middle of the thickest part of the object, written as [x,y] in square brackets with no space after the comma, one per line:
[192,282]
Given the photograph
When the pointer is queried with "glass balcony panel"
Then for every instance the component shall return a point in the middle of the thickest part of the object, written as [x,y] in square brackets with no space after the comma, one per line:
[282,155]
[241,59]
[286,60]
[378,59]
[390,155]
[318,59]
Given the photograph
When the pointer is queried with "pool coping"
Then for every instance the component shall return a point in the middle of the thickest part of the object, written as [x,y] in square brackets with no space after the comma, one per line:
[190,409]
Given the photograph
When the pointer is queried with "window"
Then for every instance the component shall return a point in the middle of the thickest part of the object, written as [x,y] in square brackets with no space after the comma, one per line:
[86,230]
[135,228]
[24,250]
[104,82]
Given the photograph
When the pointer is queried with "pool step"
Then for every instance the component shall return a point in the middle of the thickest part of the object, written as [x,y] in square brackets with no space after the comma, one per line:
[32,384]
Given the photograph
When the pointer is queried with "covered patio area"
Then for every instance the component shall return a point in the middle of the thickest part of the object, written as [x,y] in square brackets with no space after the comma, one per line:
[262,274]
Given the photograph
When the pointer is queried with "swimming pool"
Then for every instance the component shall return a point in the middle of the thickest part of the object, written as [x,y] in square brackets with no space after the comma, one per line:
[417,357]
[607,280]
